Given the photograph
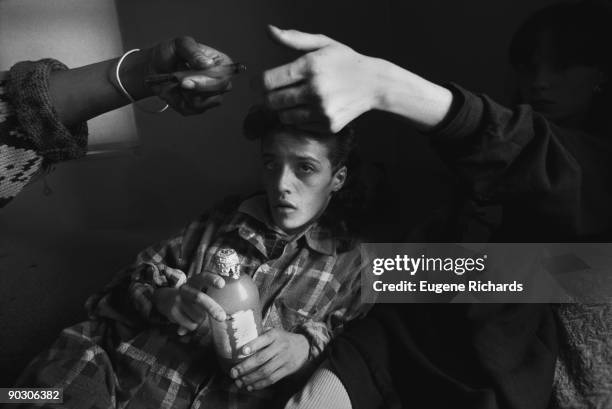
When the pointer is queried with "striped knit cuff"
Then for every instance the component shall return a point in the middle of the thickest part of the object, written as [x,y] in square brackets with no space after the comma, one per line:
[28,90]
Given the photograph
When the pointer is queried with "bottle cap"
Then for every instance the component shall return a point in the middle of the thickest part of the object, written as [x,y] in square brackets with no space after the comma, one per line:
[226,261]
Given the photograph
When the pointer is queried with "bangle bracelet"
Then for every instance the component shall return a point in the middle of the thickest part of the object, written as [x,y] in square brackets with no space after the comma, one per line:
[122,89]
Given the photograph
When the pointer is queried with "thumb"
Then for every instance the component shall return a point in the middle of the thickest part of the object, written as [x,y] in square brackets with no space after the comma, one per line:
[298,40]
[189,51]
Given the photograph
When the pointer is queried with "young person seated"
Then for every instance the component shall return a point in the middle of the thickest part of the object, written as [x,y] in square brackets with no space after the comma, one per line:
[294,243]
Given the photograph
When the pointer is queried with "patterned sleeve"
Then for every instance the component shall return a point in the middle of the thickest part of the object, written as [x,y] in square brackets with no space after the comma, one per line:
[31,135]
[346,306]
[129,297]
[18,157]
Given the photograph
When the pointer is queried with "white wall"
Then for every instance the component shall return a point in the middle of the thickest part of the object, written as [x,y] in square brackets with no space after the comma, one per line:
[76,32]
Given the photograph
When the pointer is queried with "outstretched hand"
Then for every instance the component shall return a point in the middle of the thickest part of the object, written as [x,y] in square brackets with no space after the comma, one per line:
[323,90]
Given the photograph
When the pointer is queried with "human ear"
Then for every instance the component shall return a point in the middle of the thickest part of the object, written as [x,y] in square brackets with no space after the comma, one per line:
[339,178]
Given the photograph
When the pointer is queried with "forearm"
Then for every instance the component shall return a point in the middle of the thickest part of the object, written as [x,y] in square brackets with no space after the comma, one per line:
[493,148]
[82,93]
[403,93]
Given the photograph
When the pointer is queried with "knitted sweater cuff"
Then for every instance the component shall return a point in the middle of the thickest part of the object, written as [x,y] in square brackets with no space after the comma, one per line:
[28,90]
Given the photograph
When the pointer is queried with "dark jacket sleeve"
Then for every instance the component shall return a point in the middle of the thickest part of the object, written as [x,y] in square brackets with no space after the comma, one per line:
[555,178]
[480,356]
[484,356]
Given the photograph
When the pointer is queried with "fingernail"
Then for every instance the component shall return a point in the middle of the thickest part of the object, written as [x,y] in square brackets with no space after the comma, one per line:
[246,350]
[234,374]
[188,84]
[249,388]
[238,383]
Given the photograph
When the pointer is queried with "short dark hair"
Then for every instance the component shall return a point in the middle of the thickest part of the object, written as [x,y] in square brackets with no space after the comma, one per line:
[260,122]
[581,32]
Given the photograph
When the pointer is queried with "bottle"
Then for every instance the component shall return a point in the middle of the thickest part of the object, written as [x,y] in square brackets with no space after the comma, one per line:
[240,300]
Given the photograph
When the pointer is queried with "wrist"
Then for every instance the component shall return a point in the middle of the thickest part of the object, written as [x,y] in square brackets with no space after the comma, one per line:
[393,85]
[304,343]
[383,83]
[133,70]
[303,338]
[404,93]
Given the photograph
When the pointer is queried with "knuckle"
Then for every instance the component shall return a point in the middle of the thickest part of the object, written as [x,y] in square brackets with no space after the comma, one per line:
[289,72]
[270,100]
[273,378]
[335,126]
[316,88]
[326,111]
[313,64]
[260,359]
[267,81]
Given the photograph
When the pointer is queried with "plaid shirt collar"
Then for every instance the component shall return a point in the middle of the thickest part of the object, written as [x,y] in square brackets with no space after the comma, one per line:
[318,237]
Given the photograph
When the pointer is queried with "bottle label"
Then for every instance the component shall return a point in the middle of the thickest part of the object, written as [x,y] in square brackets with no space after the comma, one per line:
[244,329]
[230,336]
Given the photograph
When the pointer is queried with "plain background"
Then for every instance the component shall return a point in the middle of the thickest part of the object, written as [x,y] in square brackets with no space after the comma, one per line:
[57,249]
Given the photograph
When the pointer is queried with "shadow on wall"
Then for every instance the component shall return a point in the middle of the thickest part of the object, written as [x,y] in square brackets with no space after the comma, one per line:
[55,250]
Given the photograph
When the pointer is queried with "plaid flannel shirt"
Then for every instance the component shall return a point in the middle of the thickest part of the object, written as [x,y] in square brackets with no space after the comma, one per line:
[129,355]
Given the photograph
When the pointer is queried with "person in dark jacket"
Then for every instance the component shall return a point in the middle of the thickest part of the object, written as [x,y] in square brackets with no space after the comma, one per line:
[546,161]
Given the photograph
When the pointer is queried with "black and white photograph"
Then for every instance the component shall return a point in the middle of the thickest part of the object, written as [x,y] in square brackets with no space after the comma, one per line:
[329,204]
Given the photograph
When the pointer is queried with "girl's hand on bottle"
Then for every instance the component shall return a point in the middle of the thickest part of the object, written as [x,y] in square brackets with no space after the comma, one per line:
[275,354]
[188,306]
